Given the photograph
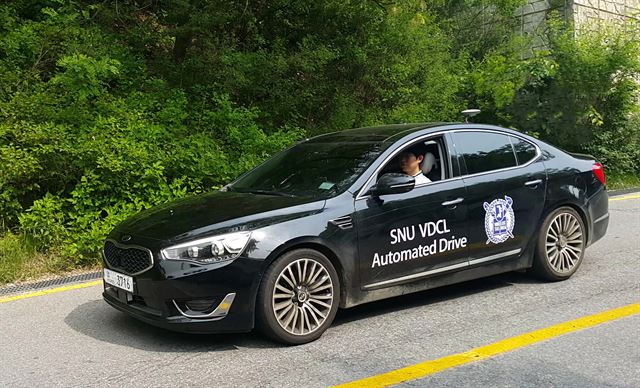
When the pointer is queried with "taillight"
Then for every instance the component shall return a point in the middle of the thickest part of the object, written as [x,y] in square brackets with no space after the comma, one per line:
[598,171]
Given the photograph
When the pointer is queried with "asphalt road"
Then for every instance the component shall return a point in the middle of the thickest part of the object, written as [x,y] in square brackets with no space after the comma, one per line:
[73,338]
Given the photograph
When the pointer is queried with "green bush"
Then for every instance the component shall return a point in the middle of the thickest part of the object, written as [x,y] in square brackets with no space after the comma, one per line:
[619,147]
[581,93]
[109,108]
[588,90]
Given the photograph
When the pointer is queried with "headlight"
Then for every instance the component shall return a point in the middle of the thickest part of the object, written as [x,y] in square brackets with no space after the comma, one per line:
[209,250]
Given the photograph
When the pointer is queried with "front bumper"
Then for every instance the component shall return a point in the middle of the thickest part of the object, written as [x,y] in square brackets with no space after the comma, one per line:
[159,293]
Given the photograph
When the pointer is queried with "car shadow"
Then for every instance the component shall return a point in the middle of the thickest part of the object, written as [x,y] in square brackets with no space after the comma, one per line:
[424,298]
[98,320]
[521,277]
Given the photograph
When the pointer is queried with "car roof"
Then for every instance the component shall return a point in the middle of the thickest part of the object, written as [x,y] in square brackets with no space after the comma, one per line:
[385,135]
[379,134]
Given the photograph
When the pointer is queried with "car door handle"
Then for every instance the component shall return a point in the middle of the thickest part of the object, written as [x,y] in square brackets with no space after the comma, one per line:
[533,183]
[452,202]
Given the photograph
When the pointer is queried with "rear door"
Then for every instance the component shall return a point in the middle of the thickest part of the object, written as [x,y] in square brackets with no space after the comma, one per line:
[506,184]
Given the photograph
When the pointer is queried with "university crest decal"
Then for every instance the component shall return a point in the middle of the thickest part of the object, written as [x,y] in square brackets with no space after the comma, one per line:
[499,220]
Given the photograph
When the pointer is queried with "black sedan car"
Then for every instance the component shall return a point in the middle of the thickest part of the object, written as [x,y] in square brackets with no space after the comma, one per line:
[356,216]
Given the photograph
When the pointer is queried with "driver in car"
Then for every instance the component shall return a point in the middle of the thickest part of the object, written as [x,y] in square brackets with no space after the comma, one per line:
[410,160]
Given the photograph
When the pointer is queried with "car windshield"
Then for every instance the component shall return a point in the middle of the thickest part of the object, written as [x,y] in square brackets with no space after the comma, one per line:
[312,168]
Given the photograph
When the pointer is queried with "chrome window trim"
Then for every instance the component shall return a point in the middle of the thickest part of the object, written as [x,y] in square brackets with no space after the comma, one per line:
[533,160]
[513,151]
[363,190]
[436,271]
[442,172]
[127,246]
[391,156]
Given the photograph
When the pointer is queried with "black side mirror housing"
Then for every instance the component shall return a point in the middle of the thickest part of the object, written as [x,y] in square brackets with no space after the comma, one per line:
[392,183]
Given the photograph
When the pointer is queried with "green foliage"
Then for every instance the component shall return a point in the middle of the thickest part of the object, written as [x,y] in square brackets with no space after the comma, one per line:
[13,254]
[20,260]
[88,137]
[618,148]
[478,27]
[500,75]
[580,93]
[617,181]
[44,222]
[83,77]
[582,89]
[108,108]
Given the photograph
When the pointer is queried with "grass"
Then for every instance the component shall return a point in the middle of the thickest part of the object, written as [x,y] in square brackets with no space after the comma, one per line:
[620,182]
[19,261]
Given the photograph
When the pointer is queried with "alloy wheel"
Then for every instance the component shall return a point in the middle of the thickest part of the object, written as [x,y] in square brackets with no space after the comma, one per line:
[302,297]
[564,242]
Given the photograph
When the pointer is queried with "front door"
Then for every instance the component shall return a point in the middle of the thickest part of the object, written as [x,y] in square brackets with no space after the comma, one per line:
[406,237]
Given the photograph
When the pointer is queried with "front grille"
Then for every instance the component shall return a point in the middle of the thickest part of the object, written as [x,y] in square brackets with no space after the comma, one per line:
[128,260]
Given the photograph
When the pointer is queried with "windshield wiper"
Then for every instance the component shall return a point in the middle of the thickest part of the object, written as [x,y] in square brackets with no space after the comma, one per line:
[261,192]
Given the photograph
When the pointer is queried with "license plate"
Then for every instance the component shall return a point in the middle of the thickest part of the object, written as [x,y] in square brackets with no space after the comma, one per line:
[119,280]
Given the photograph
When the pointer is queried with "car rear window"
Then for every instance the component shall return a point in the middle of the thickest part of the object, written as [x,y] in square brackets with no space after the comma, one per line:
[524,150]
[485,151]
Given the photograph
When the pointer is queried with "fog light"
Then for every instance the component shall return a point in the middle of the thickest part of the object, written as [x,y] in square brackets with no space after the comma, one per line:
[213,308]
[200,304]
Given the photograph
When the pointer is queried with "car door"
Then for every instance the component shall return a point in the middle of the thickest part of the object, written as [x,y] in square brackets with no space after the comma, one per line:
[408,236]
[506,184]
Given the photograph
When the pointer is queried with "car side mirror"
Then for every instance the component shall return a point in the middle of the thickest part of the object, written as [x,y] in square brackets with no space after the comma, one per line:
[392,183]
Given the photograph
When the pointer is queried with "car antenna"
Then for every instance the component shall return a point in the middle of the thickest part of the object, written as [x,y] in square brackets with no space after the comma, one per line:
[469,113]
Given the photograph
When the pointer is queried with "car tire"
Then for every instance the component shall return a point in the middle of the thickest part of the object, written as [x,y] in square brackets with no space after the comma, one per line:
[560,246]
[298,297]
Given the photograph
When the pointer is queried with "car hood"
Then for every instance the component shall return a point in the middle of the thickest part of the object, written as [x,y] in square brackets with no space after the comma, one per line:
[214,213]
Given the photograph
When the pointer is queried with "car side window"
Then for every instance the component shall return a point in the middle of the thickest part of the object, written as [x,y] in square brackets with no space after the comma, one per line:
[524,150]
[435,161]
[485,151]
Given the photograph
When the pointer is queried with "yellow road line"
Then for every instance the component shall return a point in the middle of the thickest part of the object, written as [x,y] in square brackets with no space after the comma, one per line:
[632,196]
[50,291]
[427,368]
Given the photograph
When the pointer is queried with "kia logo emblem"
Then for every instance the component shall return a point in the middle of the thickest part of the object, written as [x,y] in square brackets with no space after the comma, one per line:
[125,238]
